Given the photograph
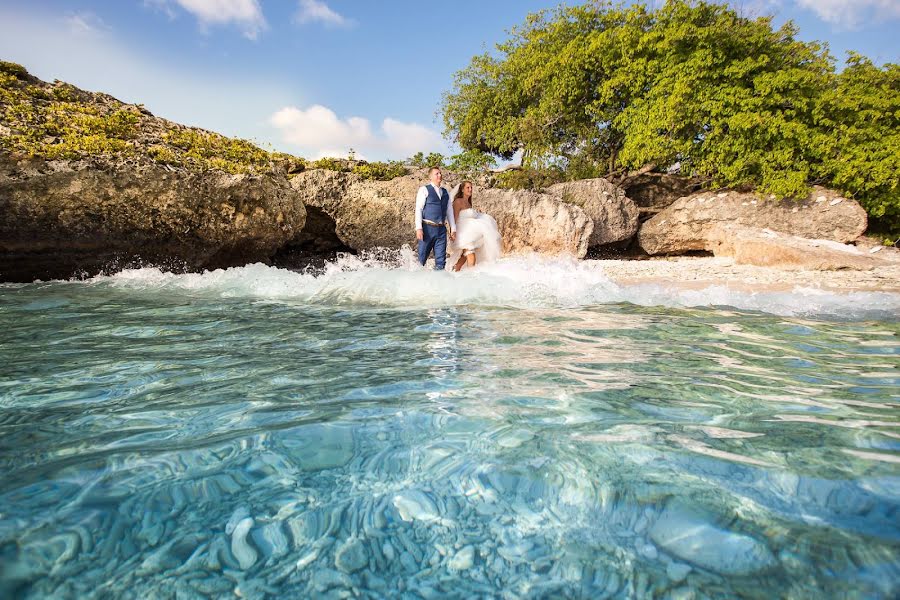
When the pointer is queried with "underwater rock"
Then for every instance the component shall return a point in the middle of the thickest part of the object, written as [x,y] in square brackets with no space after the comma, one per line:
[243,552]
[463,560]
[690,536]
[351,556]
[414,505]
[239,514]
[320,446]
[677,571]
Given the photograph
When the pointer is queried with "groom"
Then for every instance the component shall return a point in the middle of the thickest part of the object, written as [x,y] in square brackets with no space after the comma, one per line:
[433,207]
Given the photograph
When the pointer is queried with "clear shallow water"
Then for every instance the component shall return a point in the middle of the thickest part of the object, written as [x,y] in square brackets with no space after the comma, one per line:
[525,431]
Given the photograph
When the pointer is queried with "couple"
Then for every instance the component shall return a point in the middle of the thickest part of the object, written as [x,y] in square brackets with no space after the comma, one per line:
[474,237]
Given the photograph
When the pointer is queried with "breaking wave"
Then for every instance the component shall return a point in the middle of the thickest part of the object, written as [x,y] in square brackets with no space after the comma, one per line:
[396,280]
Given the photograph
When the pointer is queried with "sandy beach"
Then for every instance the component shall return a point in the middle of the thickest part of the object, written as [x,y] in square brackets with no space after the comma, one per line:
[701,272]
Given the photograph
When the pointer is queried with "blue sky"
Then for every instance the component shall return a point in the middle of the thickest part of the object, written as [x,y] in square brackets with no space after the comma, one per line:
[317,77]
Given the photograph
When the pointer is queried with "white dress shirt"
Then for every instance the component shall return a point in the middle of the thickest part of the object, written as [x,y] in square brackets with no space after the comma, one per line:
[422,195]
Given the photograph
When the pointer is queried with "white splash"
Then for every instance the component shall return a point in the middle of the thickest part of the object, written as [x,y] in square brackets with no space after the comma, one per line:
[396,280]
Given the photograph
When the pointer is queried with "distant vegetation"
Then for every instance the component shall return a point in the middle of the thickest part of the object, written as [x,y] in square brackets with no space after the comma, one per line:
[469,161]
[598,90]
[60,121]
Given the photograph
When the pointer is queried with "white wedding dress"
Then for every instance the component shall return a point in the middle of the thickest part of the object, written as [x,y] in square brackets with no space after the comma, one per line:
[475,232]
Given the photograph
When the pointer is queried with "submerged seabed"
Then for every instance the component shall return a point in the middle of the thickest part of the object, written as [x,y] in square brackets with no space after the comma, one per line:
[527,430]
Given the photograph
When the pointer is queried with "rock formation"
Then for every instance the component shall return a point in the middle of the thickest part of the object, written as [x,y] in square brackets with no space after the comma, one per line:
[614,215]
[686,225]
[766,248]
[380,214]
[63,218]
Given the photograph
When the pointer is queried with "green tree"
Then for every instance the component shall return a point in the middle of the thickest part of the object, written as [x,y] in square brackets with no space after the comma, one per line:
[602,88]
[434,159]
[862,150]
[417,160]
[471,161]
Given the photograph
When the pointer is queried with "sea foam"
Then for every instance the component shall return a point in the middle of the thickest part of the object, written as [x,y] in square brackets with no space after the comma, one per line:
[396,280]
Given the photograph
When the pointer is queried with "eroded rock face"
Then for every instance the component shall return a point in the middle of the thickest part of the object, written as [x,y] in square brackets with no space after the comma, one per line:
[615,216]
[381,214]
[686,225]
[766,248]
[65,218]
[530,221]
[655,191]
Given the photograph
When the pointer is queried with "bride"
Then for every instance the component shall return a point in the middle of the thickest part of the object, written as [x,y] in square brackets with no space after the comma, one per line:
[477,238]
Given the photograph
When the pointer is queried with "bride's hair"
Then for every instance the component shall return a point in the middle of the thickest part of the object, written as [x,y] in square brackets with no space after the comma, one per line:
[459,190]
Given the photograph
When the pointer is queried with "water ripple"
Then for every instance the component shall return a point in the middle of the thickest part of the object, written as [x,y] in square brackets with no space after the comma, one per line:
[189,440]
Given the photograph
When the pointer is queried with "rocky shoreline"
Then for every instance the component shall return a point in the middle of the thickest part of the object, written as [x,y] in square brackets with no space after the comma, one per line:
[89,184]
[699,272]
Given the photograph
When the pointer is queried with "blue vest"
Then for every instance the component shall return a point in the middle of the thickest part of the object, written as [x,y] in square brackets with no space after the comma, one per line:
[435,208]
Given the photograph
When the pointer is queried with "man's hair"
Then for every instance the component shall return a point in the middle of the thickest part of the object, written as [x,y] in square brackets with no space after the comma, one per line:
[432,170]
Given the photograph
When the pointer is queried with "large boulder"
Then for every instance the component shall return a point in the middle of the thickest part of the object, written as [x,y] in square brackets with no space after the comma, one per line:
[685,226]
[653,192]
[615,216]
[380,214]
[767,248]
[530,221]
[64,218]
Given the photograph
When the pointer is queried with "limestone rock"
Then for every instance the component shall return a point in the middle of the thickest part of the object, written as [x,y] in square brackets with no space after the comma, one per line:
[690,536]
[529,221]
[766,248]
[351,556]
[380,214]
[63,218]
[653,192]
[686,225]
[614,215]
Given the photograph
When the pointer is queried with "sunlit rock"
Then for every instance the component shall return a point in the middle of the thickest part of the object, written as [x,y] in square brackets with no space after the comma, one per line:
[689,536]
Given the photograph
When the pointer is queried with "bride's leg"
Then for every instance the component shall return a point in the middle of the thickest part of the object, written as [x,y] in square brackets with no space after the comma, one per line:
[460,262]
[470,258]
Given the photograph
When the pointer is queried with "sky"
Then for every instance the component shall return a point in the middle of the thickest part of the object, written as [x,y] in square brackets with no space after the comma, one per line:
[319,77]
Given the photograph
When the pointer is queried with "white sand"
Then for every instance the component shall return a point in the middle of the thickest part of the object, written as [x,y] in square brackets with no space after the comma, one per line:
[699,272]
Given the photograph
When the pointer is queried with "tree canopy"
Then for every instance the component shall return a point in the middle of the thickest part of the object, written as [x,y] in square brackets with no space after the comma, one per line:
[692,84]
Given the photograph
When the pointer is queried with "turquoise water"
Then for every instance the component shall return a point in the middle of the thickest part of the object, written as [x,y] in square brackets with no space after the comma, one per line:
[521,432]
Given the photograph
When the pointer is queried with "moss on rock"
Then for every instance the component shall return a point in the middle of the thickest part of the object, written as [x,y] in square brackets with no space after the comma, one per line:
[59,121]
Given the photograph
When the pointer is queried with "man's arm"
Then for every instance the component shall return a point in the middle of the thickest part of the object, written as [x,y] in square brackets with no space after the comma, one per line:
[421,195]
[450,216]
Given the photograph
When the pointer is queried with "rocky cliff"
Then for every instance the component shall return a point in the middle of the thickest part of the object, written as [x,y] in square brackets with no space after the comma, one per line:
[89,183]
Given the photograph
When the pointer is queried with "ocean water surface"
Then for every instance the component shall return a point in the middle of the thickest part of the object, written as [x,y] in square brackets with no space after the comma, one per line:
[527,430]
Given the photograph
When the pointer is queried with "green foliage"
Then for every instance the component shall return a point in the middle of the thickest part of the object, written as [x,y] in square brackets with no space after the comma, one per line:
[162,154]
[60,121]
[213,151]
[381,171]
[14,69]
[861,152]
[471,161]
[332,164]
[434,159]
[417,160]
[599,89]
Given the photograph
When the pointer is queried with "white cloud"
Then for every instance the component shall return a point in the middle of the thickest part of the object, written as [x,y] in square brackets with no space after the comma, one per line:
[852,13]
[85,23]
[247,14]
[320,126]
[310,11]
[317,131]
